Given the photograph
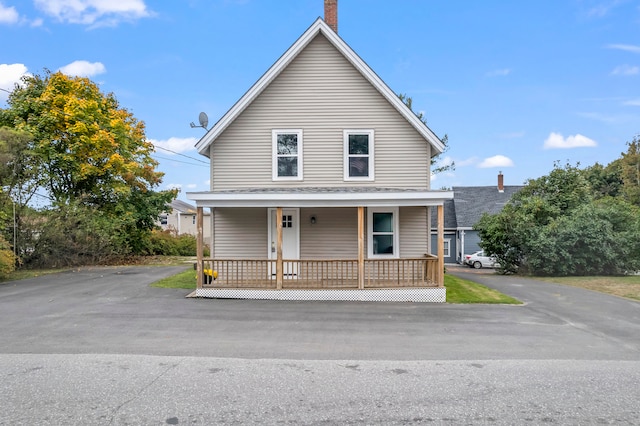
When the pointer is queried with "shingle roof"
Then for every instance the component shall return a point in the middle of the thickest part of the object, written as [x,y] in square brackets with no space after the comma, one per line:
[449,215]
[472,201]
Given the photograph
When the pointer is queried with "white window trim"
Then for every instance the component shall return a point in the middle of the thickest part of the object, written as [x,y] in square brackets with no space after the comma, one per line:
[396,232]
[274,163]
[371,134]
[447,247]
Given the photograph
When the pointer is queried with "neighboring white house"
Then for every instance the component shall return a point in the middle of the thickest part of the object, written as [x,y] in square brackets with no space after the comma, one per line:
[320,184]
[181,219]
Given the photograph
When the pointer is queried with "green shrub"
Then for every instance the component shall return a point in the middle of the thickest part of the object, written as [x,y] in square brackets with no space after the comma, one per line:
[166,243]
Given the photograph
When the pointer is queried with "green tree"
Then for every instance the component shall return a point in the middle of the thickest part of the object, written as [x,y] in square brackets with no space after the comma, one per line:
[605,181]
[435,167]
[510,234]
[19,181]
[630,165]
[92,158]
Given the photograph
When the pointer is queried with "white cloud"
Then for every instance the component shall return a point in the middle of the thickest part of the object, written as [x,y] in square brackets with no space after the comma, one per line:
[10,74]
[496,161]
[499,73]
[626,47]
[83,69]
[557,141]
[192,186]
[625,70]
[94,12]
[632,102]
[177,186]
[175,145]
[8,15]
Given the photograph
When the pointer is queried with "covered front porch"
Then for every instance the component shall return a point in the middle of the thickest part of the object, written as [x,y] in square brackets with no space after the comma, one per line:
[365,276]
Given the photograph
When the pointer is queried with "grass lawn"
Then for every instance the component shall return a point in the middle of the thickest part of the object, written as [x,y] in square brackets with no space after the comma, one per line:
[463,291]
[626,286]
[458,290]
[185,279]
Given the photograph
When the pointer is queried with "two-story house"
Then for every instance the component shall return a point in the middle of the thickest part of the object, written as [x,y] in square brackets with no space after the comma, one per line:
[320,184]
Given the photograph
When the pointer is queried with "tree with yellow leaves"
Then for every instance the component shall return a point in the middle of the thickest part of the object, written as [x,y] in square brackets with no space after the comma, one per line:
[88,147]
[92,158]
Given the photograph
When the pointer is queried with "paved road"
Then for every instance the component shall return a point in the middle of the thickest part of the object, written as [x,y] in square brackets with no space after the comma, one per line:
[99,346]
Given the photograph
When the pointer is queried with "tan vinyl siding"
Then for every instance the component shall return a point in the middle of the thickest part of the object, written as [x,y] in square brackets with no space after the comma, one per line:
[241,233]
[333,236]
[414,234]
[321,93]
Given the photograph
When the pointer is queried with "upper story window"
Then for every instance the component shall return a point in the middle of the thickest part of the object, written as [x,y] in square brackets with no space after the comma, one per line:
[358,155]
[287,154]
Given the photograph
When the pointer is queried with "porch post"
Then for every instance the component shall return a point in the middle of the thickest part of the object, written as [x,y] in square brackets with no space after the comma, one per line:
[361,248]
[199,247]
[441,246]
[279,263]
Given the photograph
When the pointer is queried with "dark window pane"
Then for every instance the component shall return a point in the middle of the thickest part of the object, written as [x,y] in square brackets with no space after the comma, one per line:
[358,166]
[383,244]
[359,144]
[383,222]
[287,144]
[287,166]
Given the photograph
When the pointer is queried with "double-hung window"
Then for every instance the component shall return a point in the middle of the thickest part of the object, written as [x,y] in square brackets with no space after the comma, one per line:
[358,155]
[383,228]
[287,154]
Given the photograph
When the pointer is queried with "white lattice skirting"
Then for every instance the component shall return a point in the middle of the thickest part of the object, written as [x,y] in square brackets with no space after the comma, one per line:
[432,295]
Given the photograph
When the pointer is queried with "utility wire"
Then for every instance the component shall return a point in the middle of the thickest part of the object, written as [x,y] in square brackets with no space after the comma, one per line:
[178,161]
[183,155]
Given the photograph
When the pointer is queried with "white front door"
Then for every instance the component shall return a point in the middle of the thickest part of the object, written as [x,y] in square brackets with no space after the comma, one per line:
[290,239]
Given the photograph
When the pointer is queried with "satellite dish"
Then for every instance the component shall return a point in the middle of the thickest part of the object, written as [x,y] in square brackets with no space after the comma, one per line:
[204,120]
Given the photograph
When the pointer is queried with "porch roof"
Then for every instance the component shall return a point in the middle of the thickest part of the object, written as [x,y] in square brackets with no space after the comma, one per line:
[321,197]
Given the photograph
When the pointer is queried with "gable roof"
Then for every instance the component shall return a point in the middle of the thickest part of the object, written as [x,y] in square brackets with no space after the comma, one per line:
[318,27]
[471,202]
[182,207]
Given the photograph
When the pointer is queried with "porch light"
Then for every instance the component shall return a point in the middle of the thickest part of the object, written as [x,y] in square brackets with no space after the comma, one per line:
[313,220]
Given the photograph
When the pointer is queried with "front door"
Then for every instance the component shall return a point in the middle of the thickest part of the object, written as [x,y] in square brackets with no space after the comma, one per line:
[290,240]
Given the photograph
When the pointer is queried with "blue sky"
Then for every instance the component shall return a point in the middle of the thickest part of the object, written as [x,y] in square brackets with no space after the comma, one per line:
[515,85]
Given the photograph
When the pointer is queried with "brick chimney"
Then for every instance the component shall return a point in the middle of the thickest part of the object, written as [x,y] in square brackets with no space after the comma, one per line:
[500,182]
[331,14]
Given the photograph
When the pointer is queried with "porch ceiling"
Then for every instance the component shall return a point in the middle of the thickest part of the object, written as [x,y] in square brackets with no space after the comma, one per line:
[320,197]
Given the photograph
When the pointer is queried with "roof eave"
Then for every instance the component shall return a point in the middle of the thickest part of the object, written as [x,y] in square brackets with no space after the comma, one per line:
[250,199]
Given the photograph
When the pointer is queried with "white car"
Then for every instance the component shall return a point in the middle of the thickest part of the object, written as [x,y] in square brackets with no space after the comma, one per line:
[479,260]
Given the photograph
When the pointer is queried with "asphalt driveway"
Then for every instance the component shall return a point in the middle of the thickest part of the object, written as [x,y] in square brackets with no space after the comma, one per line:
[99,346]
[114,311]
